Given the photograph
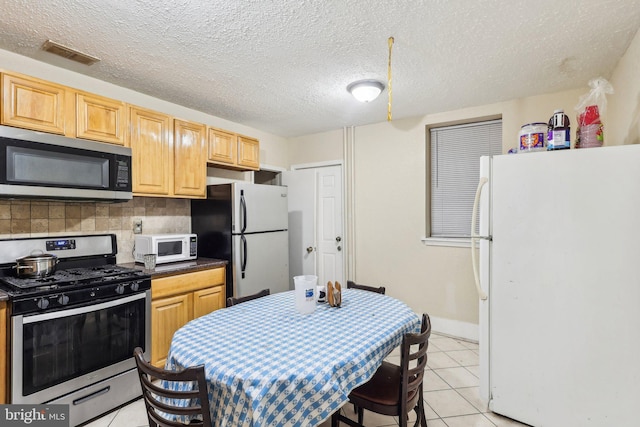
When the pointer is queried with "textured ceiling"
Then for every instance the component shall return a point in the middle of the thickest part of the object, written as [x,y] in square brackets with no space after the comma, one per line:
[283,66]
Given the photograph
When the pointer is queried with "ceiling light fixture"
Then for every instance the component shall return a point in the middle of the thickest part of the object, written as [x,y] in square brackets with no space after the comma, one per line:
[365,90]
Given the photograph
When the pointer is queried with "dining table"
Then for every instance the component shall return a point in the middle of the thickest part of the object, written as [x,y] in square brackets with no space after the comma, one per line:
[266,364]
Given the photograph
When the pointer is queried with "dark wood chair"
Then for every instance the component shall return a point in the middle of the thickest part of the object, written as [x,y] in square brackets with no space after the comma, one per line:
[197,407]
[379,290]
[353,285]
[233,301]
[395,390]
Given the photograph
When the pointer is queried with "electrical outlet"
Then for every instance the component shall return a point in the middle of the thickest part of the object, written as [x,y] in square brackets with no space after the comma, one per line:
[137,226]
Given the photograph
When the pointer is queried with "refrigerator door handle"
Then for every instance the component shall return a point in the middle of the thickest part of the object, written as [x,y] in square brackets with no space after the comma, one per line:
[243,262]
[243,213]
[474,256]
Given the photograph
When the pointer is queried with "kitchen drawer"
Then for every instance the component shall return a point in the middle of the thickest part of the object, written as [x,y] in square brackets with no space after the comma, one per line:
[187,282]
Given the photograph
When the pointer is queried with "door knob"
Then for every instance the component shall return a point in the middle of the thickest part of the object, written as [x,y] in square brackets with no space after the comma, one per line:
[310,249]
[339,248]
[338,239]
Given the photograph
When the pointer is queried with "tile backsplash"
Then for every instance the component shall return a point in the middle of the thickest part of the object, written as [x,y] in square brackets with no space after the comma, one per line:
[31,218]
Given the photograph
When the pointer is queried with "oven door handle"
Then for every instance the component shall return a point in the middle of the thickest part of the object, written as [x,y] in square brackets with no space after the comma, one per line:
[81,310]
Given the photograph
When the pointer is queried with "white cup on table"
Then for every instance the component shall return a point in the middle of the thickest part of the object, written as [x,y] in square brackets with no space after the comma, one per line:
[306,293]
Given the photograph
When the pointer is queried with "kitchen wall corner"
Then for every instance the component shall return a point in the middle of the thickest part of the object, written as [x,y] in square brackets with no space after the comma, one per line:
[31,218]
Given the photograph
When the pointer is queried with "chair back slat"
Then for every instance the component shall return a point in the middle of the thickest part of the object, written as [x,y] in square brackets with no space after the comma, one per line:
[353,285]
[173,409]
[192,403]
[163,392]
[231,301]
[154,420]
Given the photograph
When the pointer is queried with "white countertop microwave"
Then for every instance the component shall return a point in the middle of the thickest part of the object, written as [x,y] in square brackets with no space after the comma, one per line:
[166,247]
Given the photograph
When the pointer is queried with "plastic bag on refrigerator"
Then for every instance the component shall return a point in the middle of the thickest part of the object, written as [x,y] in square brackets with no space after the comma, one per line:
[589,109]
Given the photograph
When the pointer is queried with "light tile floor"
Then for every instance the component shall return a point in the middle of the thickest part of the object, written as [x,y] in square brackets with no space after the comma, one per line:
[451,393]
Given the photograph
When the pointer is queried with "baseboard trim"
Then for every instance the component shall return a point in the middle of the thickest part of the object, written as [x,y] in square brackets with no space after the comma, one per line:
[455,328]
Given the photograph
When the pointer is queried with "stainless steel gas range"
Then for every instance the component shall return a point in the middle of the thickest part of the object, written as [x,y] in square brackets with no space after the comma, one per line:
[73,332]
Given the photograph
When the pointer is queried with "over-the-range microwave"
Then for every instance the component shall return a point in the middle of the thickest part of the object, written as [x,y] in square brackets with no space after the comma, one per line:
[38,165]
[166,247]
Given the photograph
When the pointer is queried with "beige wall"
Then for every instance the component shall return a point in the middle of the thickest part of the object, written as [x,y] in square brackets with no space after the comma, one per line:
[623,115]
[320,147]
[273,148]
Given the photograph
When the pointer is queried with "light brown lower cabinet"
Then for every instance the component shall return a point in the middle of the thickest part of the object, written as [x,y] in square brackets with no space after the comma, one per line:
[207,300]
[175,300]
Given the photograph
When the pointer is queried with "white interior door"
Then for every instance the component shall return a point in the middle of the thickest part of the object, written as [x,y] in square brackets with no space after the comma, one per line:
[316,239]
[302,212]
[330,234]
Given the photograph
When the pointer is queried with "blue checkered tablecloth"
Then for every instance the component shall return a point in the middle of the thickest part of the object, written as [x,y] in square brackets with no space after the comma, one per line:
[268,365]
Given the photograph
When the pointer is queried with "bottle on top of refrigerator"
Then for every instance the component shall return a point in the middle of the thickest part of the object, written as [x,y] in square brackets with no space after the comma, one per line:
[559,134]
[532,137]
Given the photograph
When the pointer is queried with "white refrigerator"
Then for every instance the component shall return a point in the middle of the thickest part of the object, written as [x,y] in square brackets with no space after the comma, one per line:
[247,225]
[559,264]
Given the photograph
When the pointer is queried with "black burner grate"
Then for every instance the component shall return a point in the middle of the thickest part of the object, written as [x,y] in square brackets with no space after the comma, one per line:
[74,277]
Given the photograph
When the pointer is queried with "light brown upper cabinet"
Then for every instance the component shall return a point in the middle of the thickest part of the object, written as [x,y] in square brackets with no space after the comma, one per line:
[233,151]
[100,119]
[151,151]
[222,147]
[248,152]
[31,103]
[168,155]
[190,167]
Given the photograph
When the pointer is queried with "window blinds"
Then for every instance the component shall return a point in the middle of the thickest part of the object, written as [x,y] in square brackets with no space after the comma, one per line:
[455,169]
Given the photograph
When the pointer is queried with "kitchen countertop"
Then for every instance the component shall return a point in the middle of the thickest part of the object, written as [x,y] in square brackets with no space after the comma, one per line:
[3,296]
[173,268]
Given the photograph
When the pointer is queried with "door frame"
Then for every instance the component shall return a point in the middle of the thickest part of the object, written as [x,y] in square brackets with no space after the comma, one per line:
[315,165]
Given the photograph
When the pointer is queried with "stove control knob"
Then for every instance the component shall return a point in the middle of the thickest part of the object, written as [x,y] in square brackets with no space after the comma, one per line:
[135,286]
[120,289]
[63,299]
[42,303]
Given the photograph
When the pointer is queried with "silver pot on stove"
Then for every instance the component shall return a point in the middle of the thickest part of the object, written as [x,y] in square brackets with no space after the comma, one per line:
[37,264]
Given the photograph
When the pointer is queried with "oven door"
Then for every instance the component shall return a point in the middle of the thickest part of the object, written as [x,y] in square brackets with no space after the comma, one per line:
[56,353]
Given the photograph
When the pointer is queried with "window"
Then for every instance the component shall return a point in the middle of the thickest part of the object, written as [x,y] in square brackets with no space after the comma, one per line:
[455,168]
